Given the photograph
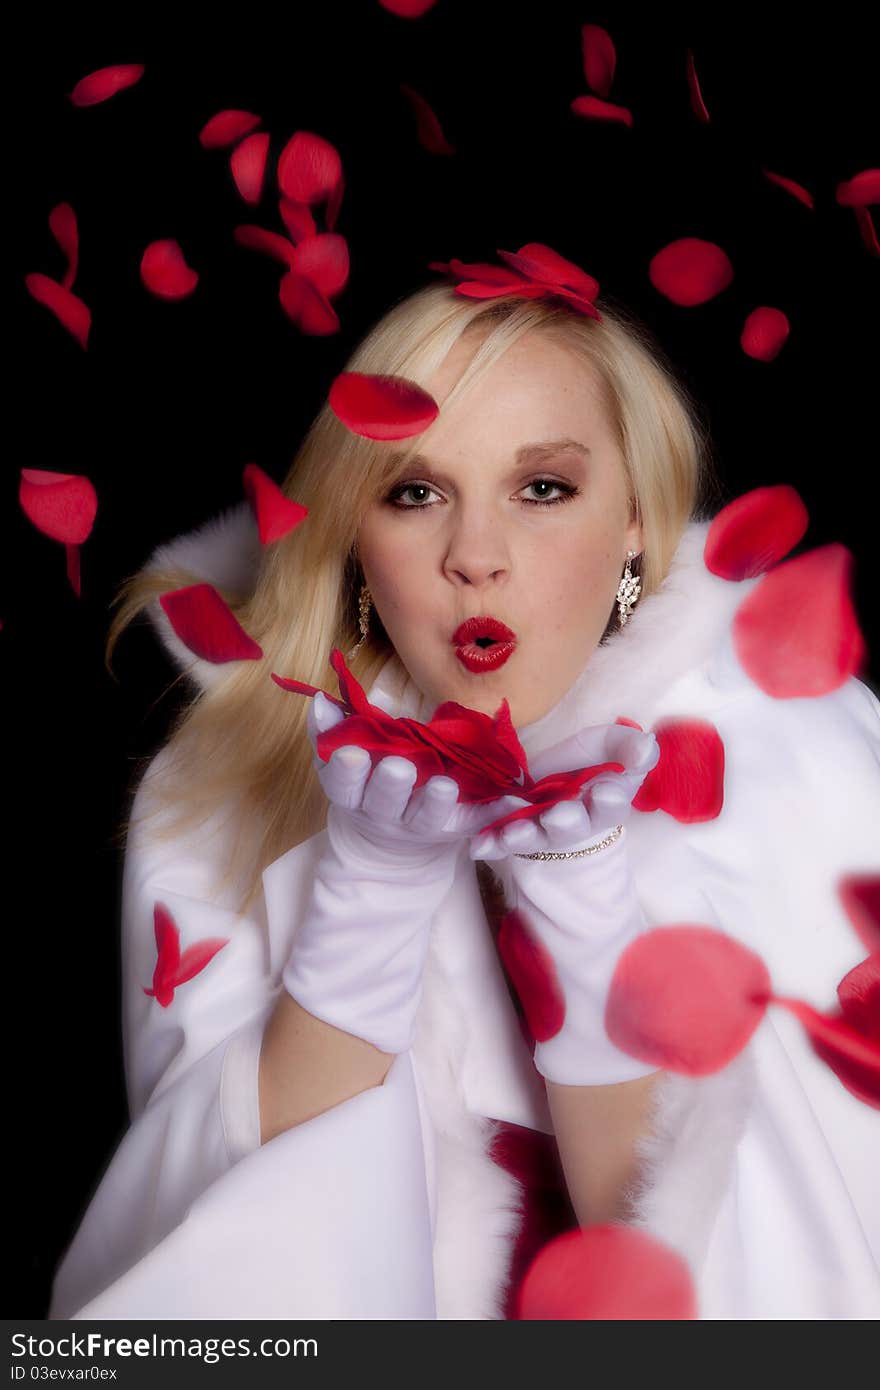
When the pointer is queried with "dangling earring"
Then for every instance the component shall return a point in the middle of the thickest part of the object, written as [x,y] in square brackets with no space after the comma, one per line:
[628,590]
[363,620]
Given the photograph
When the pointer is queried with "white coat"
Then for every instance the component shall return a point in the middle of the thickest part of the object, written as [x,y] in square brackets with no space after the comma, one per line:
[388,1206]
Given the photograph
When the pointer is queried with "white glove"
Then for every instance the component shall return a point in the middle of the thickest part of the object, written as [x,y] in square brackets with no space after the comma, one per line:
[359,953]
[583,910]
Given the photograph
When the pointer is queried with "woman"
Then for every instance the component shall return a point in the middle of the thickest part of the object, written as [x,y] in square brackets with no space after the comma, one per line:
[316,1106]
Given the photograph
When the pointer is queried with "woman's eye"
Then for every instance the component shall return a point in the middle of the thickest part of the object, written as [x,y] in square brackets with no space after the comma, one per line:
[419,489]
[420,492]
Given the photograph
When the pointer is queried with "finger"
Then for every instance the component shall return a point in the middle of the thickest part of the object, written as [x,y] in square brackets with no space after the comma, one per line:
[322,715]
[610,804]
[344,775]
[430,808]
[566,824]
[472,818]
[486,845]
[388,790]
[520,836]
[638,751]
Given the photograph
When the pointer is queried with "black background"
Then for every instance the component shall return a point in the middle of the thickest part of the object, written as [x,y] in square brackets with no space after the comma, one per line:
[171,400]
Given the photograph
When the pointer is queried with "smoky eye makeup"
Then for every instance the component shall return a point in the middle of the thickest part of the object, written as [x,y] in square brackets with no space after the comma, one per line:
[419,489]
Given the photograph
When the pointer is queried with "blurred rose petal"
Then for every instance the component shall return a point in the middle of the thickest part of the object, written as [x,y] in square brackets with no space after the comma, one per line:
[854,1058]
[755,531]
[796,189]
[105,83]
[533,975]
[297,218]
[270,243]
[72,566]
[859,995]
[206,625]
[323,259]
[61,505]
[308,168]
[407,9]
[164,271]
[599,58]
[607,1273]
[687,998]
[428,128]
[860,190]
[226,128]
[381,406]
[764,333]
[698,106]
[595,109]
[276,513]
[690,271]
[688,781]
[334,202]
[796,633]
[67,307]
[630,723]
[306,306]
[62,225]
[248,165]
[860,896]
[867,230]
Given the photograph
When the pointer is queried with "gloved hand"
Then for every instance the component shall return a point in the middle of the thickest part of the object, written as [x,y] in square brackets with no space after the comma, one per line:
[359,953]
[583,910]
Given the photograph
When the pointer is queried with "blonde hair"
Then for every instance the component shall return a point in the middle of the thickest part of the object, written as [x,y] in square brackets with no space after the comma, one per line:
[242,741]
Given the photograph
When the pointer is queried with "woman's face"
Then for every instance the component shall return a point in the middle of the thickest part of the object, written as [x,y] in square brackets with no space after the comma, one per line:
[472,529]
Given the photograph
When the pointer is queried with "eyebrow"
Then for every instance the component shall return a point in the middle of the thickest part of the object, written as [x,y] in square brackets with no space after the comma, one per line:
[528,453]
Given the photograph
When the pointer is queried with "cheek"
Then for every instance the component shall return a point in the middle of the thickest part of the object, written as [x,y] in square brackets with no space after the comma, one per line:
[393,562]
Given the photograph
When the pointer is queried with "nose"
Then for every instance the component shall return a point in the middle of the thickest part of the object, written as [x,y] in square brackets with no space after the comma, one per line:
[477,551]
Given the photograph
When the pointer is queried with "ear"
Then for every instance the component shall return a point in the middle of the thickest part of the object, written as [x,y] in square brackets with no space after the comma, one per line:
[634,535]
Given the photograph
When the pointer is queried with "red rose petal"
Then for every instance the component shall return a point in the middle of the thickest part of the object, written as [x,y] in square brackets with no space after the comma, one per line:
[764,333]
[62,225]
[428,127]
[854,1058]
[755,531]
[298,219]
[688,781]
[612,1273]
[308,168]
[630,723]
[859,995]
[301,688]
[167,935]
[690,271]
[164,271]
[323,259]
[276,513]
[67,307]
[860,896]
[533,974]
[599,58]
[205,624]
[797,634]
[334,203]
[72,565]
[270,243]
[197,956]
[226,128]
[860,190]
[105,83]
[867,230]
[407,9]
[379,406]
[593,108]
[477,289]
[542,263]
[698,106]
[306,306]
[796,189]
[61,505]
[248,165]
[687,998]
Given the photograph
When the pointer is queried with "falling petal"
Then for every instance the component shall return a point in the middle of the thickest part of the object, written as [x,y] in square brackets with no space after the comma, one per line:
[687,998]
[698,106]
[599,58]
[688,780]
[306,306]
[407,9]
[197,956]
[297,218]
[854,1058]
[630,723]
[72,565]
[165,273]
[764,333]
[868,231]
[61,505]
[796,189]
[755,531]
[323,259]
[105,83]
[533,974]
[607,1273]
[276,513]
[542,263]
[860,896]
[226,128]
[381,406]
[859,995]
[796,633]
[62,225]
[334,202]
[594,108]
[860,190]
[308,168]
[690,271]
[428,128]
[205,624]
[270,243]
[67,307]
[248,165]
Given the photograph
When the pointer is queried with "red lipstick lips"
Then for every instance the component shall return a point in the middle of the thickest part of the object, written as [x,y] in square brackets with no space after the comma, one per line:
[483,644]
